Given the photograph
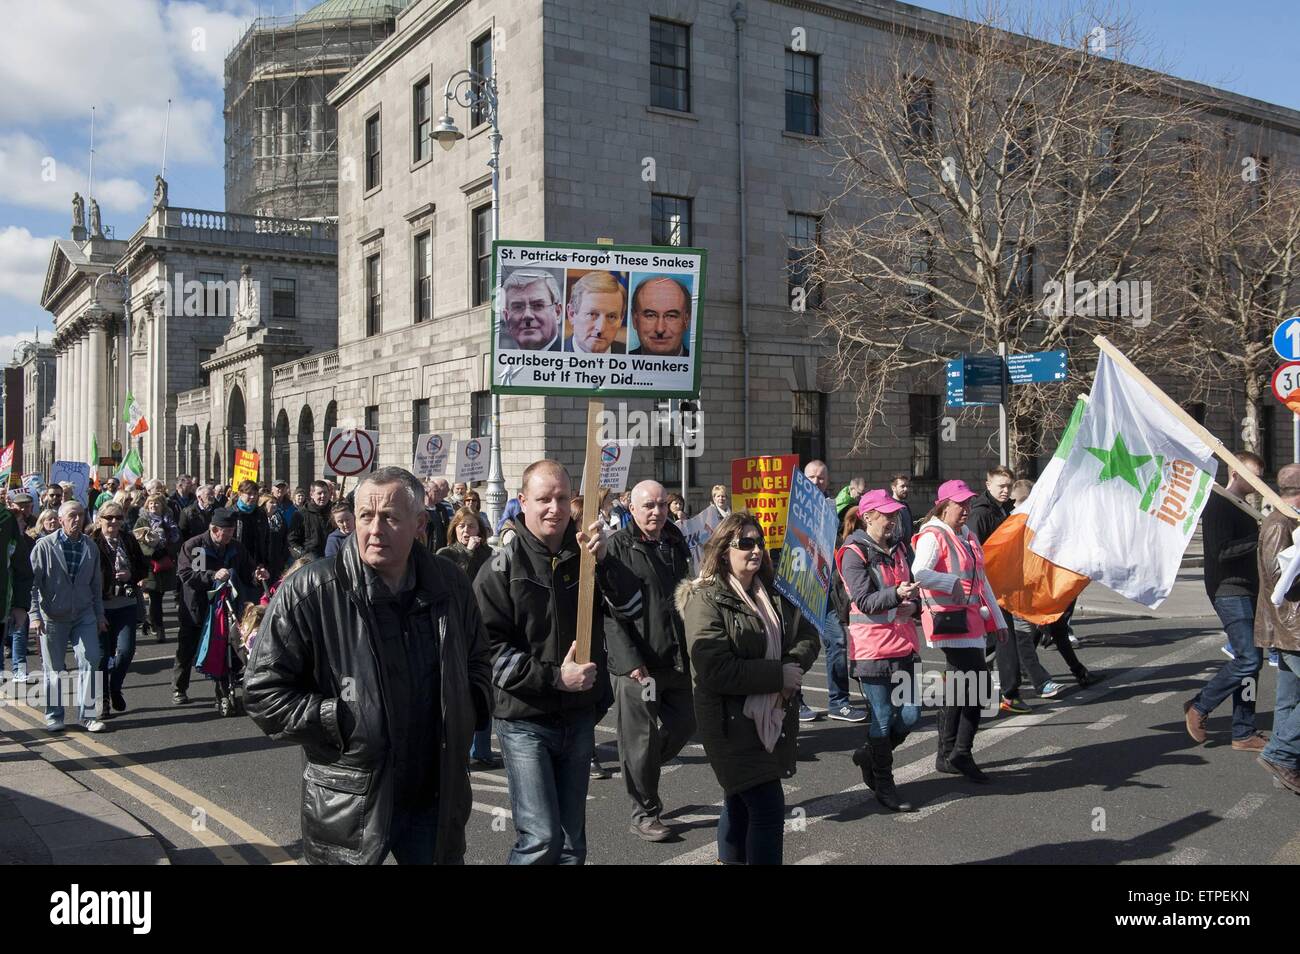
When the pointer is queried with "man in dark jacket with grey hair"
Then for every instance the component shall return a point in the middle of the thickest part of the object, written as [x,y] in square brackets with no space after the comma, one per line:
[375,661]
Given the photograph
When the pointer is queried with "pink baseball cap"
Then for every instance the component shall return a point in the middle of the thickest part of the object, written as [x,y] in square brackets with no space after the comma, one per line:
[955,491]
[879,500]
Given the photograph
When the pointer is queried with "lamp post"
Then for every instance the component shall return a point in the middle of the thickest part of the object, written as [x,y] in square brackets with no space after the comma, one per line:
[469,88]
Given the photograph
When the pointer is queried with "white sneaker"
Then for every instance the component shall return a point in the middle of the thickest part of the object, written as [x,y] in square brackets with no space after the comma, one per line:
[54,727]
[94,725]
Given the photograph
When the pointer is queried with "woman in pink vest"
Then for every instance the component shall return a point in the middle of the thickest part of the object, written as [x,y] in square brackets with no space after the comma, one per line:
[876,567]
[957,609]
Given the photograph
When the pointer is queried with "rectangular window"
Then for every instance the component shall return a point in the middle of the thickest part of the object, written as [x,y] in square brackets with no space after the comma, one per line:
[1107,154]
[284,298]
[670,65]
[918,266]
[1259,184]
[204,356]
[481,254]
[1196,411]
[802,94]
[802,233]
[920,112]
[480,414]
[923,424]
[670,220]
[421,121]
[419,422]
[372,153]
[668,457]
[423,272]
[214,294]
[480,61]
[372,417]
[808,433]
[374,296]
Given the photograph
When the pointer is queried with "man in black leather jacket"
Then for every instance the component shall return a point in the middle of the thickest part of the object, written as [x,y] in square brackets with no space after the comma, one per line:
[376,662]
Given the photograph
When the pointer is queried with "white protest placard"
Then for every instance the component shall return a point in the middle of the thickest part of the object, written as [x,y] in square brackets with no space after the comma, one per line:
[431,452]
[75,472]
[597,320]
[615,465]
[472,458]
[34,484]
[350,451]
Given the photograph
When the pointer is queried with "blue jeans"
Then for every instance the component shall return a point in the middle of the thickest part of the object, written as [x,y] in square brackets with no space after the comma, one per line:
[548,768]
[118,644]
[18,644]
[1284,747]
[83,635]
[413,836]
[1237,613]
[884,714]
[751,827]
[837,667]
[480,746]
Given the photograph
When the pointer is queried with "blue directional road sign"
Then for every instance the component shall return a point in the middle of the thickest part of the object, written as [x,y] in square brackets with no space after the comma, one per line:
[1286,339]
[975,380]
[1036,368]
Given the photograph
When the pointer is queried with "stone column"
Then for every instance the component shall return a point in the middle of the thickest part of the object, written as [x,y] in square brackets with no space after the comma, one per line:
[60,382]
[82,397]
[96,376]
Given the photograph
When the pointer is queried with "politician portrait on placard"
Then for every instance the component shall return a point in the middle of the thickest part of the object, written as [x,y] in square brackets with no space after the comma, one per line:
[599,320]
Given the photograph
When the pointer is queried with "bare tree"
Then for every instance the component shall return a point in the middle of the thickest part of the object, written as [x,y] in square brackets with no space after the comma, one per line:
[975,167]
[1239,255]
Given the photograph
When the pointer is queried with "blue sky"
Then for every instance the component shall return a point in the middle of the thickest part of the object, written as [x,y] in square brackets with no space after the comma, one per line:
[58,58]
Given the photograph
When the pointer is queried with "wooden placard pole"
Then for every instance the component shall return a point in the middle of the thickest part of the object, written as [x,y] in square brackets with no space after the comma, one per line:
[590,512]
[1235,500]
[1210,441]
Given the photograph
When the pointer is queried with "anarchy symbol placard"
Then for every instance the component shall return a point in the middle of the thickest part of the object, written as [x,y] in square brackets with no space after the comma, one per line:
[350,451]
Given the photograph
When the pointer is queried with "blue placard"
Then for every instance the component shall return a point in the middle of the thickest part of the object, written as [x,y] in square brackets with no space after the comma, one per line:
[1286,338]
[1037,368]
[803,574]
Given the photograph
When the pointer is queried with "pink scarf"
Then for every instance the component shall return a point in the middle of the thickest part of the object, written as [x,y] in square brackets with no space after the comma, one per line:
[766,709]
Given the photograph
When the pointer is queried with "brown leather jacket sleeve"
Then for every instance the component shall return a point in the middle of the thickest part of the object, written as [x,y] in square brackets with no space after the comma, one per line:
[1276,625]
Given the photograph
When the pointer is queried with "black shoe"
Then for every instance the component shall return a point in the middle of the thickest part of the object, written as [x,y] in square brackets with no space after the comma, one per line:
[599,771]
[160,635]
[179,698]
[882,767]
[897,737]
[965,765]
[862,759]
[487,763]
[1087,678]
[119,702]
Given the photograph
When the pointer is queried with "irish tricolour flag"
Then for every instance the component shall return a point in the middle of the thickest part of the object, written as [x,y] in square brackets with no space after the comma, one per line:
[1117,505]
[134,416]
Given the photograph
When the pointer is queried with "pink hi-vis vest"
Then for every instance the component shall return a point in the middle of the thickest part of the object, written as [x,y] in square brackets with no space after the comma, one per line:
[879,636]
[967,564]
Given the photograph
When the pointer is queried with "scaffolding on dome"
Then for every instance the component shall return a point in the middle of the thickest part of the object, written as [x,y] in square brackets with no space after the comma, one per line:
[281,136]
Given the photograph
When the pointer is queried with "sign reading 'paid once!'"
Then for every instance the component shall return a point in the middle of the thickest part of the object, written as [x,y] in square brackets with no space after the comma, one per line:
[596,320]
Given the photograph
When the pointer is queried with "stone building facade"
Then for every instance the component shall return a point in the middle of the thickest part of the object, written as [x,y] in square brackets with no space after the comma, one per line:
[578,123]
[36,360]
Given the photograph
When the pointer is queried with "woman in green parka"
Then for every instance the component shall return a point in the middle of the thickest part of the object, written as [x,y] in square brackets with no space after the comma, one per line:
[749,649]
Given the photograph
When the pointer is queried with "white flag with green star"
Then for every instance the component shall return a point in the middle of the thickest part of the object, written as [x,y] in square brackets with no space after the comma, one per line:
[1130,493]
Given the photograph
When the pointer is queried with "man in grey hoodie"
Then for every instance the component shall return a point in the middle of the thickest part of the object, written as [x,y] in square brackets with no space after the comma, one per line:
[68,608]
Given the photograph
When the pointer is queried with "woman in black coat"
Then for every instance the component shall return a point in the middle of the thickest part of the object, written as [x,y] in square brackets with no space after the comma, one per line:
[749,649]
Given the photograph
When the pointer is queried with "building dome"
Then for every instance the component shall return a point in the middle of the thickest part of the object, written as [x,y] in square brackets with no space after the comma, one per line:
[354,10]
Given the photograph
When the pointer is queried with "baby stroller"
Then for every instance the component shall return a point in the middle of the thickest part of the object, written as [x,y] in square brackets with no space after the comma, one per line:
[221,654]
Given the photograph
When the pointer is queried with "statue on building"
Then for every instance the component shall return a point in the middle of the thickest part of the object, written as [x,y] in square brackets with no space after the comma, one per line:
[159,192]
[96,227]
[78,211]
[249,312]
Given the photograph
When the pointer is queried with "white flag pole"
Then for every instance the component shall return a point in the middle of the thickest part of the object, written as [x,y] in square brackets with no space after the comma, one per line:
[1210,441]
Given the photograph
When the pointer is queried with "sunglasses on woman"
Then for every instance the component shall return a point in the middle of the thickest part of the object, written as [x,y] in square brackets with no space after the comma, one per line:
[110,519]
[746,543]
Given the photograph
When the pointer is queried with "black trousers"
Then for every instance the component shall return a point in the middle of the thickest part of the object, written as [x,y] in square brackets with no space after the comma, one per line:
[655,721]
[1017,656]
[960,722]
[187,646]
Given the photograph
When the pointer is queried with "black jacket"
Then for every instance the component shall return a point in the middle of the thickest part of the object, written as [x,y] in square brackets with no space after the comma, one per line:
[1231,539]
[986,515]
[310,529]
[194,520]
[134,555]
[529,600]
[435,527]
[200,559]
[314,679]
[656,640]
[20,571]
[273,543]
[469,562]
[249,532]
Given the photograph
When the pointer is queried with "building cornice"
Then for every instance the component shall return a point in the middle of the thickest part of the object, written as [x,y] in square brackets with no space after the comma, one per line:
[393,48]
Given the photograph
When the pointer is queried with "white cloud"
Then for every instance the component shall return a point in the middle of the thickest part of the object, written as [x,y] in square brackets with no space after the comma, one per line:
[31,176]
[23,260]
[9,342]
[134,135]
[203,35]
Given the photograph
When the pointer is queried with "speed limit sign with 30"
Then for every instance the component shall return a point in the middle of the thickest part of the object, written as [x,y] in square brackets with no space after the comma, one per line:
[1286,385]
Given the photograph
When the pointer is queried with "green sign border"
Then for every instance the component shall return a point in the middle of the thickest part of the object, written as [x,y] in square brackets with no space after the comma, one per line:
[698,357]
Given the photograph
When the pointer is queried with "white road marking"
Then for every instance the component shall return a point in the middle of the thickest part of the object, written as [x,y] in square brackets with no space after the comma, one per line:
[1105,722]
[1188,856]
[1246,807]
[820,858]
